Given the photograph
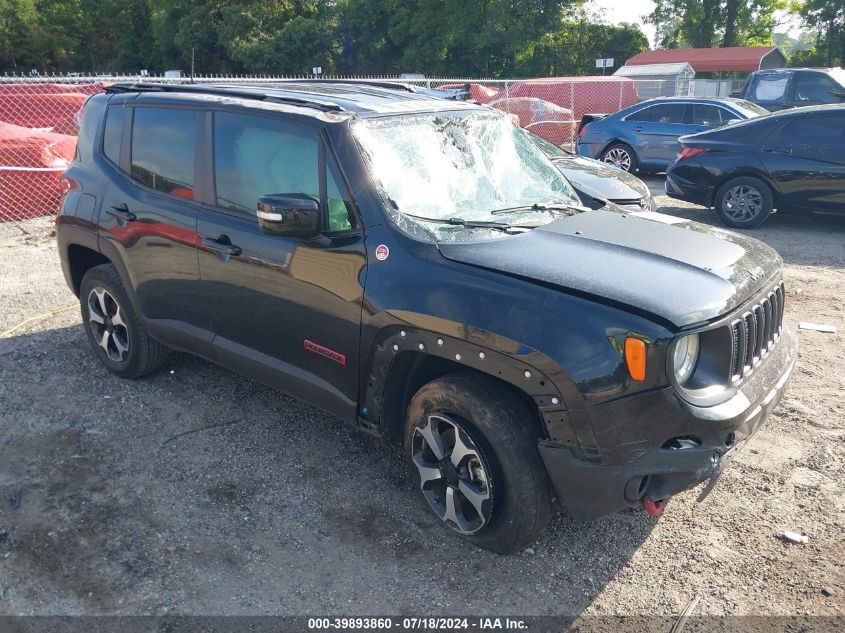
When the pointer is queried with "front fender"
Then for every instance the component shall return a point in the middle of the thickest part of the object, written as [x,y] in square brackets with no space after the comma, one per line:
[526,369]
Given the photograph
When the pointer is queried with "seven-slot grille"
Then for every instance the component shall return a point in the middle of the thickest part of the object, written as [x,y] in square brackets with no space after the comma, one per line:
[756,331]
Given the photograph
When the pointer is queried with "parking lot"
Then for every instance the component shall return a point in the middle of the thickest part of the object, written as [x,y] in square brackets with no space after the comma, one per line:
[196,491]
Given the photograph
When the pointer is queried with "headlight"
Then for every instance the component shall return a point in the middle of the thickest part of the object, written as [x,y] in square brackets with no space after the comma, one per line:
[684,357]
[700,366]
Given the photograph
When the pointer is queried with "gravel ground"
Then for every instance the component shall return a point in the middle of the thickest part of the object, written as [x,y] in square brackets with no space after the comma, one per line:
[195,491]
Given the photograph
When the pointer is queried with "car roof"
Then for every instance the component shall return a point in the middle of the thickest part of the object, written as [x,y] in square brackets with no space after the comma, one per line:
[814,109]
[724,100]
[363,98]
[776,71]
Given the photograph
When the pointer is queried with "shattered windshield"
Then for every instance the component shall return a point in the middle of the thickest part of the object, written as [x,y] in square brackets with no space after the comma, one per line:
[445,171]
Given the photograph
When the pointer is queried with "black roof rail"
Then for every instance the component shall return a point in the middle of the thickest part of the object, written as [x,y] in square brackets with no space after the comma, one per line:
[257,92]
[376,83]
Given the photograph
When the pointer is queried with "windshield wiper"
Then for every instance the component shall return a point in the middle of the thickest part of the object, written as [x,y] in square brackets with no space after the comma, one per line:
[556,206]
[473,224]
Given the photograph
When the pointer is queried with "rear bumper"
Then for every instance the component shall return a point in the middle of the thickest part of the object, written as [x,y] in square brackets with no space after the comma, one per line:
[682,189]
[588,150]
[631,432]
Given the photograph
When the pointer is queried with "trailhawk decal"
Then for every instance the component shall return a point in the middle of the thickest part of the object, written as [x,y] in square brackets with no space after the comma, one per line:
[325,352]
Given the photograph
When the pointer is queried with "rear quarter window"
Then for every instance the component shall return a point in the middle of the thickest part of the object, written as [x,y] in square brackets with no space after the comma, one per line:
[113,134]
[770,88]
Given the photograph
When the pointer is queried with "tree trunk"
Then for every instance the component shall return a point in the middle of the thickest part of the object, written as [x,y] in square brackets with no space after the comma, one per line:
[731,15]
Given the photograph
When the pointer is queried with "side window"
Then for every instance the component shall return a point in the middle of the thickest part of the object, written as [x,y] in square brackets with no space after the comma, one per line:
[641,115]
[770,88]
[257,156]
[817,137]
[164,142]
[816,130]
[816,88]
[113,133]
[667,113]
[709,115]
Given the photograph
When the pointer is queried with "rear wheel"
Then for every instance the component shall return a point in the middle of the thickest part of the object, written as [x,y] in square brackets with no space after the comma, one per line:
[622,156]
[743,203]
[475,457]
[115,332]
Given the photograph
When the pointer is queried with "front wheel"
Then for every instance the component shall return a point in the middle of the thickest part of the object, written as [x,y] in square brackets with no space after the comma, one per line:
[743,203]
[474,452]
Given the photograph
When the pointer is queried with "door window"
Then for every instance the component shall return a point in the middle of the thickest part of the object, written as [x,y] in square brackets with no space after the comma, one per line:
[710,115]
[665,113]
[817,137]
[817,88]
[258,156]
[164,142]
[639,115]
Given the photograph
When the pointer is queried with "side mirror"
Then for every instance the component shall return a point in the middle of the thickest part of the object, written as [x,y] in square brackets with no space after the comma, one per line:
[289,214]
[732,121]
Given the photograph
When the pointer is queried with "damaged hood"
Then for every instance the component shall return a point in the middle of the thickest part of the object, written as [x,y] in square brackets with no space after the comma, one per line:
[682,271]
[600,180]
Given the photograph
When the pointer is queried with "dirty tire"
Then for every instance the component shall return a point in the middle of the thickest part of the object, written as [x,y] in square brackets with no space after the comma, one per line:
[756,195]
[503,430]
[621,155]
[143,355]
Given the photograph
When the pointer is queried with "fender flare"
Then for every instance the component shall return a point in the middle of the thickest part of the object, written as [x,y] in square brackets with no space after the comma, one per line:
[525,369]
[109,250]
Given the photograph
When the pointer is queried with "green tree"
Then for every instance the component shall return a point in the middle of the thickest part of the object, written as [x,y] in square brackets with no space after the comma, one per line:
[18,22]
[573,49]
[245,36]
[708,23]
[827,19]
[445,37]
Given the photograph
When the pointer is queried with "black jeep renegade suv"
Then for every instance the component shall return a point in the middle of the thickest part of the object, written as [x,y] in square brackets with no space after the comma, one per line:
[419,268]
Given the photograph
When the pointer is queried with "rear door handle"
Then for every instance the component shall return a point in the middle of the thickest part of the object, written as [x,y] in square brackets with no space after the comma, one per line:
[786,151]
[638,129]
[221,247]
[122,213]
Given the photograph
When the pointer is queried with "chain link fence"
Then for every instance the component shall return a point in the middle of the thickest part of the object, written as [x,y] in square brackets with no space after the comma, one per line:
[40,116]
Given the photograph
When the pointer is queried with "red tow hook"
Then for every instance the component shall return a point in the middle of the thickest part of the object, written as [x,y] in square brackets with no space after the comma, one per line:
[654,508]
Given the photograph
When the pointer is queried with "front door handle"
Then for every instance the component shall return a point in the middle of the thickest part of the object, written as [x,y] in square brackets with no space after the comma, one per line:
[122,213]
[223,247]
[786,151]
[638,129]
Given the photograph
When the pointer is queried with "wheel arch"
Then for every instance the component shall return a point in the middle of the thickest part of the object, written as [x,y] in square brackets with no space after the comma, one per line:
[744,172]
[616,140]
[80,260]
[406,358]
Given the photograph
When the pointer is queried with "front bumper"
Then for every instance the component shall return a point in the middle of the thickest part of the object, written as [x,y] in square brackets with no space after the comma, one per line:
[632,433]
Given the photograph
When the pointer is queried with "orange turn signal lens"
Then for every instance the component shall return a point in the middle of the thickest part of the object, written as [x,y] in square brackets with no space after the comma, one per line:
[635,357]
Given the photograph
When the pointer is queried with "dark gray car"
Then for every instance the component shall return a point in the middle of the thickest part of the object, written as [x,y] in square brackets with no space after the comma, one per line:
[595,179]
